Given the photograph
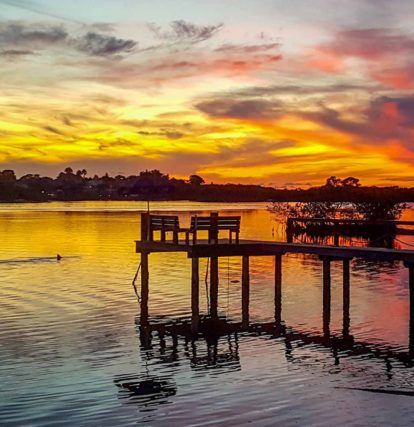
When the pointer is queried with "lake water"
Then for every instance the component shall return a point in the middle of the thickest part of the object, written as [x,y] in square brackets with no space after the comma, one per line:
[68,336]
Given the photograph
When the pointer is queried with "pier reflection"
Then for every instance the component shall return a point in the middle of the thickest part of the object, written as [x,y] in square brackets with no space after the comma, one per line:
[214,348]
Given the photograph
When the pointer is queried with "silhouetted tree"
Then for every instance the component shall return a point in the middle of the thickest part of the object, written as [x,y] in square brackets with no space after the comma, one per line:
[195,180]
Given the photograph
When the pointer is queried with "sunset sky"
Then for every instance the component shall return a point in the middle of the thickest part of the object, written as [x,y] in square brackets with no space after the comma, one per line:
[272,92]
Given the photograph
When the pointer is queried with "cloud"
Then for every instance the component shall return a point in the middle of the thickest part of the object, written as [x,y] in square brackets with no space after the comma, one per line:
[20,36]
[256,109]
[15,33]
[371,43]
[162,133]
[53,130]
[304,89]
[184,31]
[102,45]
[253,48]
[384,53]
[384,119]
[16,52]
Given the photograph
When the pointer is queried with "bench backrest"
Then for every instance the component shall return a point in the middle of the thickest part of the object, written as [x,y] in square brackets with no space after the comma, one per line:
[164,222]
[223,223]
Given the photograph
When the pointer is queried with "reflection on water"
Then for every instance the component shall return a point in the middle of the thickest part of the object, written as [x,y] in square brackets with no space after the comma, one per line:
[71,354]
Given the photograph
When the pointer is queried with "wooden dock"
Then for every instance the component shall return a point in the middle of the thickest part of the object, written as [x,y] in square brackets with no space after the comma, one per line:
[249,248]
[388,229]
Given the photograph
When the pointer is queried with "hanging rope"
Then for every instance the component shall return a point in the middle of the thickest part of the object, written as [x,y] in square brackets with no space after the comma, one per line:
[206,281]
[134,285]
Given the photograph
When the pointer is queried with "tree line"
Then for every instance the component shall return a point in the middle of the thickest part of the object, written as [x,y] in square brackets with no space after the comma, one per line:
[155,185]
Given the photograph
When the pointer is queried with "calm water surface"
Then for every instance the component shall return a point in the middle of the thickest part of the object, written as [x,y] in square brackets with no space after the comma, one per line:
[68,336]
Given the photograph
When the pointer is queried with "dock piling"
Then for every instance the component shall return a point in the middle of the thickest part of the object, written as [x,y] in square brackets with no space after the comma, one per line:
[346,298]
[144,288]
[278,289]
[214,283]
[410,267]
[326,295]
[195,306]
[145,227]
[245,291]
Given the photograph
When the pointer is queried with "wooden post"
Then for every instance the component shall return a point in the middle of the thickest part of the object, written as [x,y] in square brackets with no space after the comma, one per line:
[410,267]
[326,296]
[162,230]
[336,239]
[245,291]
[195,309]
[289,230]
[213,232]
[145,222]
[278,289]
[214,283]
[411,285]
[144,288]
[346,298]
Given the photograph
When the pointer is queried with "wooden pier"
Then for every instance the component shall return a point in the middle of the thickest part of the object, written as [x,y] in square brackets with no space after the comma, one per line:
[248,248]
[335,227]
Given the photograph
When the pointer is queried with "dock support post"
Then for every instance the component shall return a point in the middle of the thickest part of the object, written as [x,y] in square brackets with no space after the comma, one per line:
[214,281]
[410,267]
[245,291]
[326,296]
[195,309]
[289,230]
[411,328]
[346,298]
[145,226]
[144,288]
[278,289]
[213,232]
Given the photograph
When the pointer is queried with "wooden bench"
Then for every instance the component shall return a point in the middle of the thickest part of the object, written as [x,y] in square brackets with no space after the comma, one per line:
[213,224]
[164,224]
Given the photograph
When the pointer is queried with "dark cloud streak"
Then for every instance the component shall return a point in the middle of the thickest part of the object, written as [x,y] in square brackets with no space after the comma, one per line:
[183,31]
[20,36]
[256,109]
[102,45]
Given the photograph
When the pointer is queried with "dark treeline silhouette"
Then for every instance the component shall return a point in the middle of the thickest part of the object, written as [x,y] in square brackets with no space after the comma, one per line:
[154,185]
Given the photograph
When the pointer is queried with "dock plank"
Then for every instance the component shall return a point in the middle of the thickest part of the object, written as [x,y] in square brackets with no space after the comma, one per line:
[268,248]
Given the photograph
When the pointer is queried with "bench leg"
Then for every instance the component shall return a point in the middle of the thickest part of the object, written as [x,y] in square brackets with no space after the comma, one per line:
[162,235]
[194,237]
[230,236]
[175,237]
[237,237]
[187,238]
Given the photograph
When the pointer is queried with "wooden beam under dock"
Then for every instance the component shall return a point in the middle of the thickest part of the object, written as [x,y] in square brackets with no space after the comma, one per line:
[267,248]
